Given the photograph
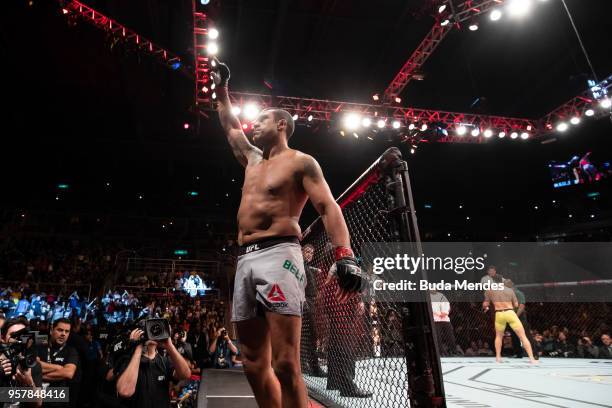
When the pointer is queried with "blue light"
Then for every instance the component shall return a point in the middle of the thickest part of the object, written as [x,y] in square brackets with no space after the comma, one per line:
[204,2]
[176,65]
[193,193]
[427,205]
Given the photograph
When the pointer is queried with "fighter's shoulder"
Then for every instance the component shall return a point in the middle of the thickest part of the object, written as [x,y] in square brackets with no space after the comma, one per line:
[305,162]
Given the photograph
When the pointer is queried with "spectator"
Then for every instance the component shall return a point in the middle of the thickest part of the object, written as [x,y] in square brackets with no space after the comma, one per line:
[472,351]
[485,350]
[605,351]
[198,338]
[586,348]
[562,347]
[145,381]
[221,349]
[59,361]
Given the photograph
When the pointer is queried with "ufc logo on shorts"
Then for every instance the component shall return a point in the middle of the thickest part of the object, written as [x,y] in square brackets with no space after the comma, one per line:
[252,248]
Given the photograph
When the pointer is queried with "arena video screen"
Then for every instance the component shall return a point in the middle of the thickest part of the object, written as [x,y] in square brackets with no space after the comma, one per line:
[579,169]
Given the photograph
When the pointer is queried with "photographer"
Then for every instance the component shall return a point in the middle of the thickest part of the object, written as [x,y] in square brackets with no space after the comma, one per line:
[18,376]
[59,361]
[222,349]
[145,381]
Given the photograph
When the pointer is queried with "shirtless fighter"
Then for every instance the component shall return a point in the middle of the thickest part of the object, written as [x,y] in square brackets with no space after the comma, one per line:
[270,280]
[505,302]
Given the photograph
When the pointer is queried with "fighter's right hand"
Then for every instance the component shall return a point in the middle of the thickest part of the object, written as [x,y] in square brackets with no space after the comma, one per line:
[220,72]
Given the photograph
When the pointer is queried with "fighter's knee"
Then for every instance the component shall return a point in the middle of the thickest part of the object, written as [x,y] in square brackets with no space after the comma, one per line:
[286,369]
[254,365]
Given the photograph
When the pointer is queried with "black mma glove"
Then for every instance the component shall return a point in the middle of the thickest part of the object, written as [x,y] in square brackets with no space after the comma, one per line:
[220,72]
[347,271]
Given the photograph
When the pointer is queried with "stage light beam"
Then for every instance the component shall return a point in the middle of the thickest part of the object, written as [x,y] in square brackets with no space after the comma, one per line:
[351,121]
[213,33]
[250,111]
[495,15]
[461,130]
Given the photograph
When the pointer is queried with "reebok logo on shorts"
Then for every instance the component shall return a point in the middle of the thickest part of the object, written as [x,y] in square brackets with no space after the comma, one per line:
[276,294]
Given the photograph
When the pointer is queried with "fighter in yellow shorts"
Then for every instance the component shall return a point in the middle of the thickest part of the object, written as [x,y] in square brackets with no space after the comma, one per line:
[505,301]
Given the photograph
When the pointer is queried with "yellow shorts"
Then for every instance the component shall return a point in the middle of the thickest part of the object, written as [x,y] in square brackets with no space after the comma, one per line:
[504,317]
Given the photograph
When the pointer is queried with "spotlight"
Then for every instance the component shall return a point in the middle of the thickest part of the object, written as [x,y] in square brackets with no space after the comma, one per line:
[65,11]
[495,15]
[529,128]
[475,132]
[236,110]
[513,135]
[412,151]
[213,86]
[398,99]
[342,133]
[461,130]
[411,126]
[562,127]
[212,48]
[375,97]
[502,135]
[519,8]
[589,112]
[204,89]
[213,63]
[309,118]
[445,22]
[380,123]
[245,126]
[214,95]
[355,135]
[605,103]
[575,120]
[366,122]
[488,133]
[251,111]
[204,2]
[442,8]
[524,135]
[423,127]
[295,117]
[186,126]
[175,65]
[473,27]
[396,124]
[213,33]
[351,121]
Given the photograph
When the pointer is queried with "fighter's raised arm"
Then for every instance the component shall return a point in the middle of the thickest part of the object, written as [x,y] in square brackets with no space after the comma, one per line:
[241,147]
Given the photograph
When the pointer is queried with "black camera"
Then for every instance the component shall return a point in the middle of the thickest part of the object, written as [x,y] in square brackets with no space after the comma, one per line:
[223,333]
[155,329]
[21,349]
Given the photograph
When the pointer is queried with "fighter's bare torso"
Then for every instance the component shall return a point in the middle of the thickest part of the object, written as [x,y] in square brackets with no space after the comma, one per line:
[272,197]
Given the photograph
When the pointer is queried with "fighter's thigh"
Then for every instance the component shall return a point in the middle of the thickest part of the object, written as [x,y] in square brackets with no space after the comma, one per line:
[285,333]
[515,323]
[255,347]
[500,322]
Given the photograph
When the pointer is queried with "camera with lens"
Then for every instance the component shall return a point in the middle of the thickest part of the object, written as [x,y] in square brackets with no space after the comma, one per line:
[21,349]
[155,329]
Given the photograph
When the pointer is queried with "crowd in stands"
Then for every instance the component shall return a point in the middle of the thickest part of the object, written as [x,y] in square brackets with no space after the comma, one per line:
[198,336]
